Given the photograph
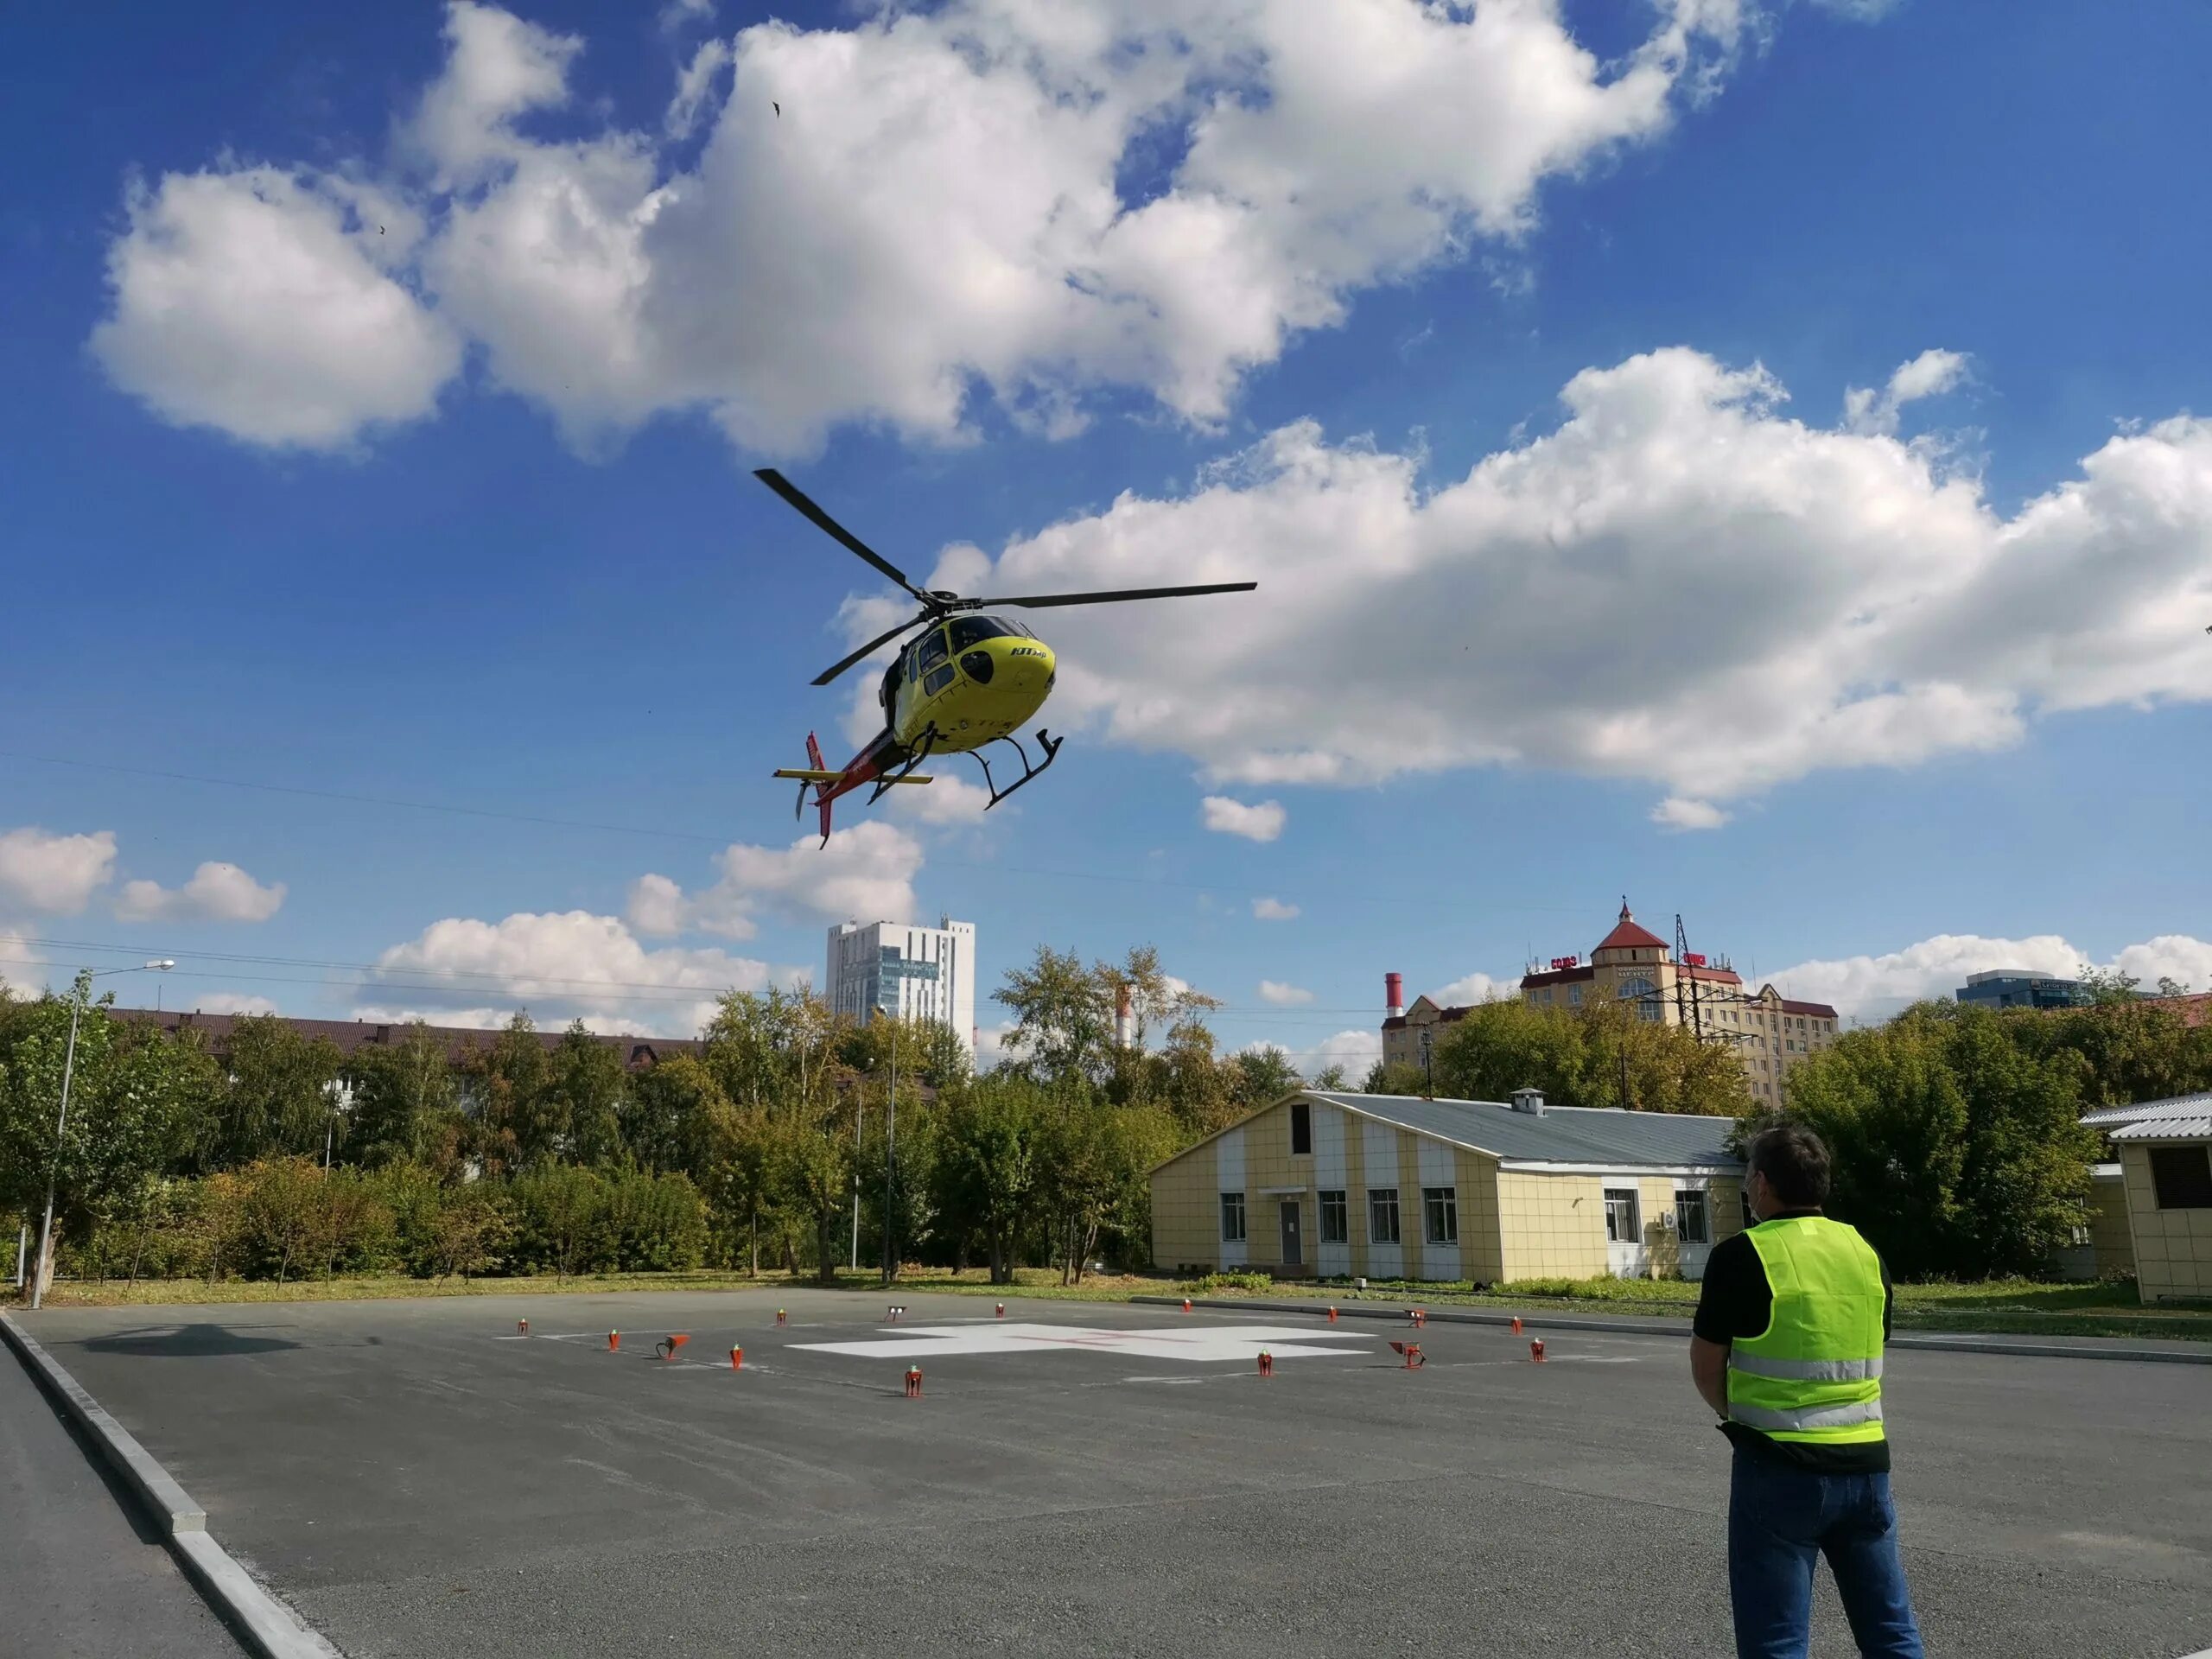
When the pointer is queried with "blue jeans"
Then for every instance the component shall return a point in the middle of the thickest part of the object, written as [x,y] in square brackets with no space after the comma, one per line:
[1779,1518]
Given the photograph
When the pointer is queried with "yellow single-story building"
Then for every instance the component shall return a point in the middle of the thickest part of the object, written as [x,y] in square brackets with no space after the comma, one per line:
[1333,1185]
[2164,1149]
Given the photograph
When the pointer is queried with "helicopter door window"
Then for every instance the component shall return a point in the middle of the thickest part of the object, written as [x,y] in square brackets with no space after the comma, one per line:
[937,680]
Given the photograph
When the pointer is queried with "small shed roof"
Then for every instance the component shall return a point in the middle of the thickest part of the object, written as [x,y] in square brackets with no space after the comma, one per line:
[2106,1117]
[2197,1127]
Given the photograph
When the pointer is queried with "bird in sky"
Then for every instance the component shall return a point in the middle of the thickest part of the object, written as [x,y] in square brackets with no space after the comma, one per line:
[777,107]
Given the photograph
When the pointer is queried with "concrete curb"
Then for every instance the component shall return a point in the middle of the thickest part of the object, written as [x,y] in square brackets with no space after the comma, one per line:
[1958,1343]
[269,1627]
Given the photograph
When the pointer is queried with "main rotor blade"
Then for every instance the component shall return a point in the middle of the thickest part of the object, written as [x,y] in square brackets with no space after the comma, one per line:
[798,499]
[1042,601]
[830,674]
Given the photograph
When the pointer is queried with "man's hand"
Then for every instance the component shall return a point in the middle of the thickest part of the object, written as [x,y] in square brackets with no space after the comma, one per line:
[1709,1371]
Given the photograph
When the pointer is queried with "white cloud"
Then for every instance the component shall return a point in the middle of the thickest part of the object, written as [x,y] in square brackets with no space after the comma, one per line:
[680,13]
[1355,1050]
[865,874]
[19,960]
[939,211]
[991,1045]
[216,893]
[55,875]
[561,966]
[1676,812]
[1680,584]
[1929,375]
[1281,995]
[693,87]
[497,68]
[1872,988]
[264,303]
[1263,822]
[1474,989]
[947,800]
[1273,909]
[657,907]
[231,1002]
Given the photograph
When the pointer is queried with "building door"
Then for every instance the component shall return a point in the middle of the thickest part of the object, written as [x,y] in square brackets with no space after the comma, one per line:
[1294,1254]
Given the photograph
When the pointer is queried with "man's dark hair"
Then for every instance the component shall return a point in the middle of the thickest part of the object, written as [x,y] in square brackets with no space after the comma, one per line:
[1794,1161]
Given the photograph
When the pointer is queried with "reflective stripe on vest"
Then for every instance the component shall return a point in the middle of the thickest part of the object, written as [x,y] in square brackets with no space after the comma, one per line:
[1814,1374]
[1806,1370]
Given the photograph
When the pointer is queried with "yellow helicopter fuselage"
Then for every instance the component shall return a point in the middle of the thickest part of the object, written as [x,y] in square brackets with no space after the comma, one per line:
[965,682]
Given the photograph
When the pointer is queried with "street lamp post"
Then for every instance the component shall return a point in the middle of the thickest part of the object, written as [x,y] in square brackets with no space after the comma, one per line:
[45,1270]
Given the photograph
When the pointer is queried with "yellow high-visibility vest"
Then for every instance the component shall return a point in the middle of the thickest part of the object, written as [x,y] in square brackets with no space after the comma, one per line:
[1814,1373]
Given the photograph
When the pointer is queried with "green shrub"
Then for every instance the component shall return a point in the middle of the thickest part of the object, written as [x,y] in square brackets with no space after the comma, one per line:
[1233,1282]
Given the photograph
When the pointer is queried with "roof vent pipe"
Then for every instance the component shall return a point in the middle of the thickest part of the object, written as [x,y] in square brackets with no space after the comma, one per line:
[1528,1100]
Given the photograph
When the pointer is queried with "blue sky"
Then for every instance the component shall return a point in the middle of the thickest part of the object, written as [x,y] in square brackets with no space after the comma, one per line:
[461,516]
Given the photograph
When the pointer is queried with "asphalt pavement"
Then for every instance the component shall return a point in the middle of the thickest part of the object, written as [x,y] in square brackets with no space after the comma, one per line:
[418,1479]
[82,1575]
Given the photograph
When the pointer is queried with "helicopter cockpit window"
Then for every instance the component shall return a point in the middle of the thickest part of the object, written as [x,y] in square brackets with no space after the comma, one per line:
[973,630]
[931,652]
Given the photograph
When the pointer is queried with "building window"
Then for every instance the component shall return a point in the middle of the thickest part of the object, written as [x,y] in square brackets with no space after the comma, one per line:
[1232,1217]
[1622,1226]
[1574,996]
[1382,1215]
[2183,1176]
[1439,1211]
[1302,1128]
[1690,1218]
[1336,1225]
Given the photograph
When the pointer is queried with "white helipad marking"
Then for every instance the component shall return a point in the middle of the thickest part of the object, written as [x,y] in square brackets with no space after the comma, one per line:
[1196,1344]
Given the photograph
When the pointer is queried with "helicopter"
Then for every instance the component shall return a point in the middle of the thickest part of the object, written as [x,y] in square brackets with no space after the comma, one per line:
[968,680]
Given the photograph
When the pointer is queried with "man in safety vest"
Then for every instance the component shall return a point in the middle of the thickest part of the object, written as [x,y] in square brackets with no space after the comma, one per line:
[1787,1349]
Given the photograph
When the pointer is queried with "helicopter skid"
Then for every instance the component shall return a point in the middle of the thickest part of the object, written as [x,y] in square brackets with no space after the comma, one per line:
[1045,740]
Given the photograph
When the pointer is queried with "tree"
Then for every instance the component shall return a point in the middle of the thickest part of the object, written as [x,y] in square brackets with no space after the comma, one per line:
[1600,1054]
[668,1115]
[1385,1077]
[282,1095]
[1063,1020]
[1955,1150]
[406,1106]
[741,1169]
[814,1163]
[1263,1076]
[132,1098]
[585,1090]
[986,1165]
[511,1082]
[1329,1078]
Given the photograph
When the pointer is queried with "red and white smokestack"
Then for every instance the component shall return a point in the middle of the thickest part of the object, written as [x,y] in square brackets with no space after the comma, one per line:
[1125,1020]
[1394,995]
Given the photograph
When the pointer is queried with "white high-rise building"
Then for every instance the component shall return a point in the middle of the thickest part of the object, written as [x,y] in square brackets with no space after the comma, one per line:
[912,973]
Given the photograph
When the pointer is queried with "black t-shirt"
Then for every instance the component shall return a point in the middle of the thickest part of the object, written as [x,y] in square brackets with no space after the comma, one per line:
[1735,1303]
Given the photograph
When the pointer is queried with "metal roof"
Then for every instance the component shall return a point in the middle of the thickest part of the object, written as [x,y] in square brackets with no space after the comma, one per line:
[2195,1128]
[2179,1106]
[1566,1134]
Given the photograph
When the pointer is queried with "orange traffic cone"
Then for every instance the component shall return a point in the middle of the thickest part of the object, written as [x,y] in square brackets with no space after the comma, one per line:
[913,1381]
[1516,1324]
[522,1328]
[1537,1349]
[737,1360]
[1332,1316]
[613,1342]
[1266,1363]
[1001,1313]
[1186,1304]
[779,1316]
